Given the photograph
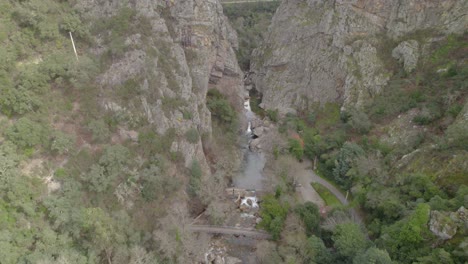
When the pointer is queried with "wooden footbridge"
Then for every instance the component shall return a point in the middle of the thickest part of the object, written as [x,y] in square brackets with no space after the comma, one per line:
[228,230]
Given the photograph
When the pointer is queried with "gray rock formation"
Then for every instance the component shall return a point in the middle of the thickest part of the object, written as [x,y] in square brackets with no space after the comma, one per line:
[408,53]
[320,51]
[187,48]
[445,225]
[442,226]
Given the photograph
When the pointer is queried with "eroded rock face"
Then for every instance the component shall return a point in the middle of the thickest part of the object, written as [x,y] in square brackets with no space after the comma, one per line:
[320,51]
[445,225]
[187,48]
[408,53]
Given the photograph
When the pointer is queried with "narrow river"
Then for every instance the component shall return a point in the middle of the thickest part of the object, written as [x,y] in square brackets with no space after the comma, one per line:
[250,176]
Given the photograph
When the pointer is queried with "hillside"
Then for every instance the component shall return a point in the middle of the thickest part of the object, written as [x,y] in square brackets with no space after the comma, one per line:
[99,153]
[375,92]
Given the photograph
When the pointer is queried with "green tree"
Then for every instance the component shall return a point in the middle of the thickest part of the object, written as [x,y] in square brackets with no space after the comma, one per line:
[404,238]
[195,178]
[310,215]
[373,255]
[349,240]
[273,213]
[316,251]
[61,142]
[111,165]
[100,130]
[100,231]
[344,161]
[295,148]
[220,108]
[437,256]
[26,133]
[314,144]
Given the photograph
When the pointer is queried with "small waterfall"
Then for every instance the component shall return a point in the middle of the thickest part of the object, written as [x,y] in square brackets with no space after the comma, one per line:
[251,175]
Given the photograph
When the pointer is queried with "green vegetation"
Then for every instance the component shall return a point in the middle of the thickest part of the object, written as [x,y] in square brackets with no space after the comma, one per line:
[327,196]
[195,179]
[395,185]
[251,21]
[310,215]
[105,198]
[221,109]
[192,135]
[273,213]
[296,148]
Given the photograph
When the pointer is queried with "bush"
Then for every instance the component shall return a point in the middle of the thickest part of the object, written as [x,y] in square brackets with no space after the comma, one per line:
[422,120]
[296,148]
[344,160]
[26,133]
[100,130]
[310,215]
[195,178]
[273,213]
[359,121]
[220,108]
[273,115]
[62,143]
[192,135]
[349,240]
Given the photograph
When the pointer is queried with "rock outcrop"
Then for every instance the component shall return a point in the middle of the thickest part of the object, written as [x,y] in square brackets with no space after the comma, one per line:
[445,225]
[180,50]
[320,51]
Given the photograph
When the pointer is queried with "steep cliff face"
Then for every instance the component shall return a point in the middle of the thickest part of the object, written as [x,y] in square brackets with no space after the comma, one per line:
[345,51]
[178,51]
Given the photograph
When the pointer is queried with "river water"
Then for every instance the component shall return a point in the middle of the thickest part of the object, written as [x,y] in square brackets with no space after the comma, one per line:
[251,173]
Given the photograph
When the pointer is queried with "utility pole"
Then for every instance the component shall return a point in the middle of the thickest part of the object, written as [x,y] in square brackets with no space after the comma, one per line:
[73,43]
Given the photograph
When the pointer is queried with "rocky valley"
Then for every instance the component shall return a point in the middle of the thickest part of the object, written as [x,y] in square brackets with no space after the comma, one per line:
[207,131]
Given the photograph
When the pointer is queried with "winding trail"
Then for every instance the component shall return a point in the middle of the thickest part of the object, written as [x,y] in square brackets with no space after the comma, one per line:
[307,175]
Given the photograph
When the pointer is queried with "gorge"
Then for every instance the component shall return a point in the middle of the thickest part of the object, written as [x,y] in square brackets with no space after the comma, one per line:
[348,118]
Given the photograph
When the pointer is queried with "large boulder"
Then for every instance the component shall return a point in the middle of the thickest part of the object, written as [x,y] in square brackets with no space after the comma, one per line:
[442,226]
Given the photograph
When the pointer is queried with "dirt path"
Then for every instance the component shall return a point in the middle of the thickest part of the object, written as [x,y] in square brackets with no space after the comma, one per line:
[307,175]
[307,191]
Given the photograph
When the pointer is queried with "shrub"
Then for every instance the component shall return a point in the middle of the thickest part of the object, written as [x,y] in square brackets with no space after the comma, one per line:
[360,122]
[457,135]
[344,160]
[192,135]
[100,130]
[195,178]
[310,215]
[273,213]
[349,240]
[220,108]
[62,143]
[26,133]
[422,120]
[273,115]
[454,110]
[296,148]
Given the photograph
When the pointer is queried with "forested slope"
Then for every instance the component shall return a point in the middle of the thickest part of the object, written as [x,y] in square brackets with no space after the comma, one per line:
[379,100]
[100,155]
